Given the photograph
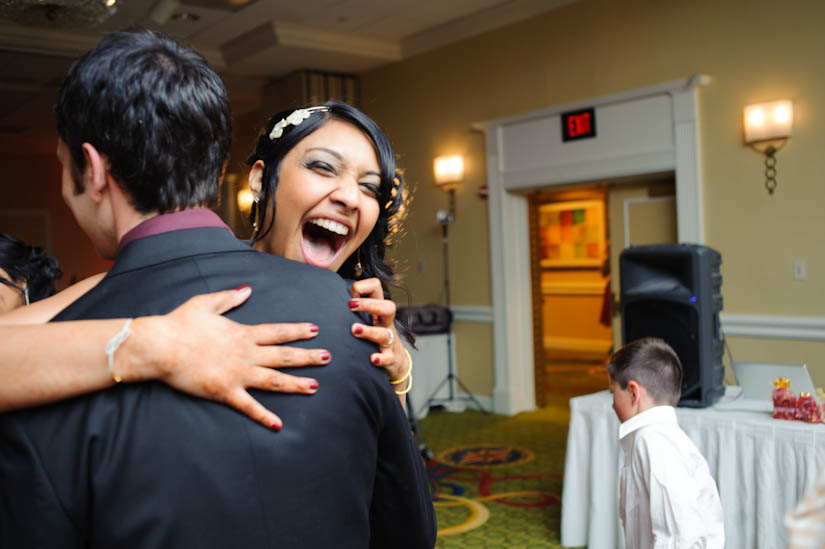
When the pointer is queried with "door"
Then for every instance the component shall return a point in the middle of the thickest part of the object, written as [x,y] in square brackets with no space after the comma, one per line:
[569,255]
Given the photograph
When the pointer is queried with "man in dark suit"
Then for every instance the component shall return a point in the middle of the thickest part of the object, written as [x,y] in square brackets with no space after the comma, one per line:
[144,128]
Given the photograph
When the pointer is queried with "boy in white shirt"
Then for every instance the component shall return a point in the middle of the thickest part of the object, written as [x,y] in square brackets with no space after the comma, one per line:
[667,497]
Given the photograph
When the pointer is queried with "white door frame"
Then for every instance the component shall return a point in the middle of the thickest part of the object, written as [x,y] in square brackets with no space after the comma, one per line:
[514,389]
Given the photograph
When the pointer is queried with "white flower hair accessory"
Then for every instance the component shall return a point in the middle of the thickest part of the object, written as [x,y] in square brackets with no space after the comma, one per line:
[294,119]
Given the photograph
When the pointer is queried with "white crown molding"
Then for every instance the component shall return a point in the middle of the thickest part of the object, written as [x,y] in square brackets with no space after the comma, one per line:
[477,23]
[299,36]
[774,327]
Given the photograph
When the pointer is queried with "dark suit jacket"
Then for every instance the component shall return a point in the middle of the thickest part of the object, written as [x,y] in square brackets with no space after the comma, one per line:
[142,465]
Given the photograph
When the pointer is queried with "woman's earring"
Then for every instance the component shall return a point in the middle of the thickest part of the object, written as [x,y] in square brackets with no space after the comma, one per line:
[255,208]
[358,269]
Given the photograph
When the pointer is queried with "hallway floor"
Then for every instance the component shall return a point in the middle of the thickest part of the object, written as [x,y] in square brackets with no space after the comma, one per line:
[568,377]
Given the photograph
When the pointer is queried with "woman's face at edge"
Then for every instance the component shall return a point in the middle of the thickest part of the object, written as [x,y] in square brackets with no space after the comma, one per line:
[326,197]
[10,298]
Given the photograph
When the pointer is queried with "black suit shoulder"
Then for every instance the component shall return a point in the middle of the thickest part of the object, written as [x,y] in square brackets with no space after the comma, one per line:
[142,465]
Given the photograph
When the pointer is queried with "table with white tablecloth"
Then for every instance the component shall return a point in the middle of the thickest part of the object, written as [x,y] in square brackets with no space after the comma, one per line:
[762,467]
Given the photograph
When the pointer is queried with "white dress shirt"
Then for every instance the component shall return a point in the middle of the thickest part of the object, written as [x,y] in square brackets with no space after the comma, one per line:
[667,497]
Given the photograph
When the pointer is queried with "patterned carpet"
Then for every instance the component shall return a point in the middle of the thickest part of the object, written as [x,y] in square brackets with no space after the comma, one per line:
[497,480]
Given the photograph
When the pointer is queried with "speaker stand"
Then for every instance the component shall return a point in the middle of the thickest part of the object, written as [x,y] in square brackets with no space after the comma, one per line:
[445,218]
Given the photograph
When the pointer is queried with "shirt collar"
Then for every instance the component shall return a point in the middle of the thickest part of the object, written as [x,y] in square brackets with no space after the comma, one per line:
[657,414]
[164,223]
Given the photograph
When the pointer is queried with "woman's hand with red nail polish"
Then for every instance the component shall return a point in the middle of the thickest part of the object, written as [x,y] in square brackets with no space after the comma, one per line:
[207,355]
[391,355]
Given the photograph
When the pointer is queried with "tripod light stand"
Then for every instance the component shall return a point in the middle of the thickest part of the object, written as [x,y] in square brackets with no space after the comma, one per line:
[449,171]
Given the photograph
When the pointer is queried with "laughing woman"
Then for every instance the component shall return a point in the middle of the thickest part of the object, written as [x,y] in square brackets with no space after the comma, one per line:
[328,194]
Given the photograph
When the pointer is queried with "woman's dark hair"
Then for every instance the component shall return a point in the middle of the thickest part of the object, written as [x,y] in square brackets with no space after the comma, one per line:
[158,112]
[28,266]
[392,195]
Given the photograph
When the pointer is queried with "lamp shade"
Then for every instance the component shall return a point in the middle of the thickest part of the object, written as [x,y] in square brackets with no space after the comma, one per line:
[448,169]
[765,121]
[245,199]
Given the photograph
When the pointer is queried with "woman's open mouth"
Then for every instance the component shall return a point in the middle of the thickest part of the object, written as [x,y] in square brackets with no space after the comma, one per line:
[321,241]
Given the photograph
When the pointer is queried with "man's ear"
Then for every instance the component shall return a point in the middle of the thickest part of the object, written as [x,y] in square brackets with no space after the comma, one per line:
[256,175]
[95,172]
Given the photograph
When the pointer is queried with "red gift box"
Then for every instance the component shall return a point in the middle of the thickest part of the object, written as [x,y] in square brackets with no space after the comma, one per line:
[807,409]
[784,400]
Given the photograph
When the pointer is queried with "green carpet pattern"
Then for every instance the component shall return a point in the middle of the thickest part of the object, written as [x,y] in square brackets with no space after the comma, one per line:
[497,480]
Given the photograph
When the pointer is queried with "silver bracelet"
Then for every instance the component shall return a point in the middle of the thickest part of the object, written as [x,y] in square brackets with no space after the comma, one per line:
[113,345]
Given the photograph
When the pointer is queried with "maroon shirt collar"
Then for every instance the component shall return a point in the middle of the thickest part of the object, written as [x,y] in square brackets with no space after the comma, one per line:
[186,219]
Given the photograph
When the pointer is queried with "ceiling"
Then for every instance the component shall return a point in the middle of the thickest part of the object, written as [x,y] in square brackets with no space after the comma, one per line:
[249,42]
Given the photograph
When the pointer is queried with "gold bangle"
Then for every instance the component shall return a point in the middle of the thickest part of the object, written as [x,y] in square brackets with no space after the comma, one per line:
[409,386]
[409,370]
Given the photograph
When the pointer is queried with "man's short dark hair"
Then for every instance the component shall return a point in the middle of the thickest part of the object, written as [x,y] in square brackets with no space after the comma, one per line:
[651,363]
[157,111]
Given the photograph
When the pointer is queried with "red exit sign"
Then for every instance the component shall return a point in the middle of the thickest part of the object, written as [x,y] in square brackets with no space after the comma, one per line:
[578,124]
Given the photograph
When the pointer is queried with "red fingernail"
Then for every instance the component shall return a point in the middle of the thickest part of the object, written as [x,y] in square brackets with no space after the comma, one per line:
[313,385]
[358,330]
[325,356]
[242,288]
[313,328]
[276,426]
[353,303]
[376,360]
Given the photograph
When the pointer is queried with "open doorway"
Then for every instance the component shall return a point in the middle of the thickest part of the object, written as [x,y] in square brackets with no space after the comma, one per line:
[576,236]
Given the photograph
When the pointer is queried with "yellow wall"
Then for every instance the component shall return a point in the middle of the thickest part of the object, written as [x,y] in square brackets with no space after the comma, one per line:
[753,50]
[470,356]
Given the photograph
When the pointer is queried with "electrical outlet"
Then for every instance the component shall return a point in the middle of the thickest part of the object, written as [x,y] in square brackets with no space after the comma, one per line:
[799,270]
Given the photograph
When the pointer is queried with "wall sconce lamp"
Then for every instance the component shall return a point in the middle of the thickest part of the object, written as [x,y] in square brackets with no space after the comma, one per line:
[449,173]
[245,199]
[767,129]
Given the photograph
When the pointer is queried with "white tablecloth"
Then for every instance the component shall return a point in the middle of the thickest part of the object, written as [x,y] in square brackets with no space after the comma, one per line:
[761,465]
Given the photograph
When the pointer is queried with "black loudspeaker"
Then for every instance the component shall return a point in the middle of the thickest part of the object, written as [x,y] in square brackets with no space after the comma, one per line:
[674,292]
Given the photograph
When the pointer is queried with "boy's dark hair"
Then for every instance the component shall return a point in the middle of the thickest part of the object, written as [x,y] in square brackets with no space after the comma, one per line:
[157,111]
[651,363]
[28,266]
